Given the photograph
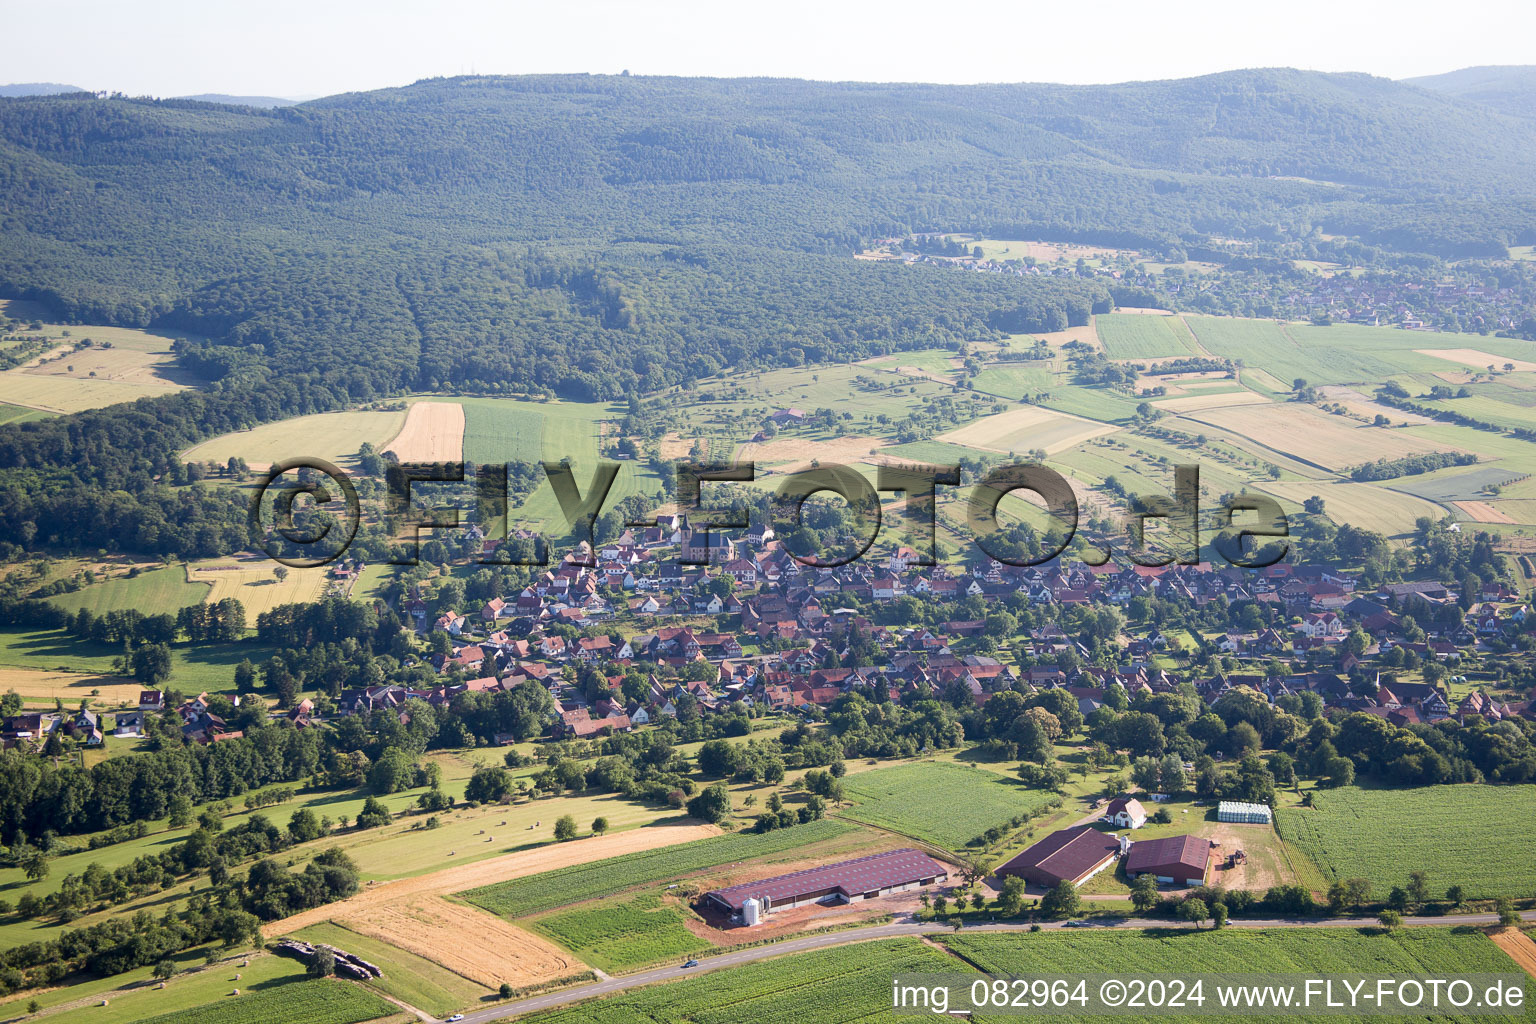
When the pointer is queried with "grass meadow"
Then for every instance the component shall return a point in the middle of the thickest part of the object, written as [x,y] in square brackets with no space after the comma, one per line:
[944,804]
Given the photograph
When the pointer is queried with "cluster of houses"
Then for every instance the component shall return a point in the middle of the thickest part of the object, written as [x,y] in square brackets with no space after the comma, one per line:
[792,622]
[781,628]
[30,730]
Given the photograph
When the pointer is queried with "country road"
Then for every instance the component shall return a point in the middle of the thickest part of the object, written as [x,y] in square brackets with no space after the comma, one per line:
[673,972]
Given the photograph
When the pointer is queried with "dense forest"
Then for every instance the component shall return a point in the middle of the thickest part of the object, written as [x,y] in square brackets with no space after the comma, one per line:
[596,237]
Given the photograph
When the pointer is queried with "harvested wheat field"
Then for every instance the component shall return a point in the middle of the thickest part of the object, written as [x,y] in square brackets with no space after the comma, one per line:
[433,432]
[1026,428]
[1474,358]
[41,685]
[469,942]
[1483,512]
[1193,403]
[798,452]
[1311,435]
[497,869]
[252,583]
[1519,947]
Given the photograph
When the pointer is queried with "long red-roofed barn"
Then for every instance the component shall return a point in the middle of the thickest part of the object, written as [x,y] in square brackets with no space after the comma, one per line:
[1073,855]
[864,878]
[1176,860]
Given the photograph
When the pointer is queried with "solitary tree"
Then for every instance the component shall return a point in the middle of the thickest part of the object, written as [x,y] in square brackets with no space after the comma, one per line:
[322,964]
[565,828]
[599,826]
[165,970]
[1062,900]
[1144,893]
[1390,919]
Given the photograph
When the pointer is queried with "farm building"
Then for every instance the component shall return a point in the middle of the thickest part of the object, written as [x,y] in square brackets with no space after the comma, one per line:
[1176,860]
[1126,812]
[1244,813]
[1073,854]
[863,878]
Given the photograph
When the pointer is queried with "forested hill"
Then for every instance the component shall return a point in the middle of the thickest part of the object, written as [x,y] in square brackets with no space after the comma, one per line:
[598,236]
[1510,89]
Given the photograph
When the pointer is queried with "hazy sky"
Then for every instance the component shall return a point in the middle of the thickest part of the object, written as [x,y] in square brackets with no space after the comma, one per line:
[316,47]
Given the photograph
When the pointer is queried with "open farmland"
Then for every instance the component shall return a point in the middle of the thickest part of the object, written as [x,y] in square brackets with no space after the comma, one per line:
[579,882]
[158,590]
[498,868]
[39,686]
[408,977]
[1457,484]
[1368,506]
[1194,403]
[19,414]
[312,1001]
[121,364]
[432,432]
[1486,512]
[1134,336]
[1306,433]
[1276,350]
[1480,359]
[435,929]
[1420,952]
[500,430]
[941,803]
[616,936]
[1012,379]
[1022,429]
[1471,835]
[333,436]
[829,986]
[252,583]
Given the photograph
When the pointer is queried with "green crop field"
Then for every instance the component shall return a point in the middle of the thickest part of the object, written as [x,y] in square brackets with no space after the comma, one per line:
[1421,952]
[614,936]
[830,986]
[522,896]
[158,590]
[193,667]
[1481,407]
[1472,836]
[506,430]
[1096,403]
[946,804]
[1143,336]
[334,436]
[316,1001]
[1455,484]
[498,430]
[19,414]
[1011,380]
[407,977]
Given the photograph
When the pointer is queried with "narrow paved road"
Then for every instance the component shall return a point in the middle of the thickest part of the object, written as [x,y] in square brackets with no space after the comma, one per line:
[673,972]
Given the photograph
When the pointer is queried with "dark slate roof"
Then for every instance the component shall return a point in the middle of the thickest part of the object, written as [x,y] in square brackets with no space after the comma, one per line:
[849,877]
